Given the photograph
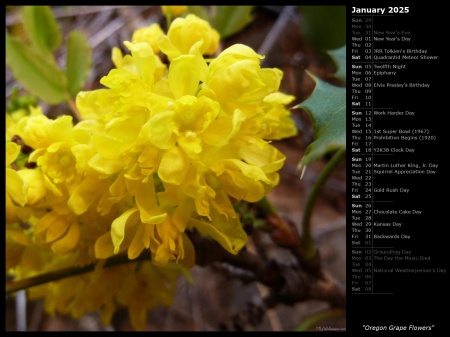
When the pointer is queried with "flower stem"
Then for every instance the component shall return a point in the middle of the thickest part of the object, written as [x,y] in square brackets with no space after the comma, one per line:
[74,109]
[267,207]
[309,248]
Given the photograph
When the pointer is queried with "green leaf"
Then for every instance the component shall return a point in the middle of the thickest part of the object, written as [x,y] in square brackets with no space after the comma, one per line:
[230,20]
[326,107]
[339,58]
[42,28]
[38,74]
[79,61]
[324,26]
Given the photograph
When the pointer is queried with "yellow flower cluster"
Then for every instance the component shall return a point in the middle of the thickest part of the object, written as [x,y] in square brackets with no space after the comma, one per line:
[162,149]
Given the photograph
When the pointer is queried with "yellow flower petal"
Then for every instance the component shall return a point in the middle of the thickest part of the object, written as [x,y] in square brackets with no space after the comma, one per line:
[137,245]
[145,198]
[106,146]
[144,59]
[130,216]
[11,212]
[69,241]
[223,129]
[45,222]
[34,156]
[196,187]
[222,204]
[267,157]
[173,167]
[118,189]
[104,247]
[185,73]
[159,130]
[192,145]
[138,317]
[16,187]
[227,232]
[12,151]
[250,171]
[104,165]
[51,186]
[36,185]
[186,32]
[149,159]
[162,256]
[240,187]
[150,34]
[57,229]
[173,11]
[18,236]
[117,57]
[183,213]
[168,48]
[82,196]
[189,252]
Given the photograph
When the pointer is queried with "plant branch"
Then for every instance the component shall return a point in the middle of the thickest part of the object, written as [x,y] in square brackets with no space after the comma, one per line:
[13,286]
[288,284]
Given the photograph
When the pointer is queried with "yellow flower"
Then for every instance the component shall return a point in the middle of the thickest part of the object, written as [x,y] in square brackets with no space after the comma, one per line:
[150,34]
[236,80]
[277,118]
[185,122]
[40,132]
[36,185]
[152,63]
[186,34]
[16,188]
[173,11]
[62,231]
[12,118]
[57,162]
[272,121]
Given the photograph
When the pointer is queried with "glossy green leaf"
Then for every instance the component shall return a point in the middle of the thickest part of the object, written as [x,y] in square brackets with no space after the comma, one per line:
[42,28]
[38,74]
[339,58]
[324,26]
[79,61]
[230,20]
[326,107]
